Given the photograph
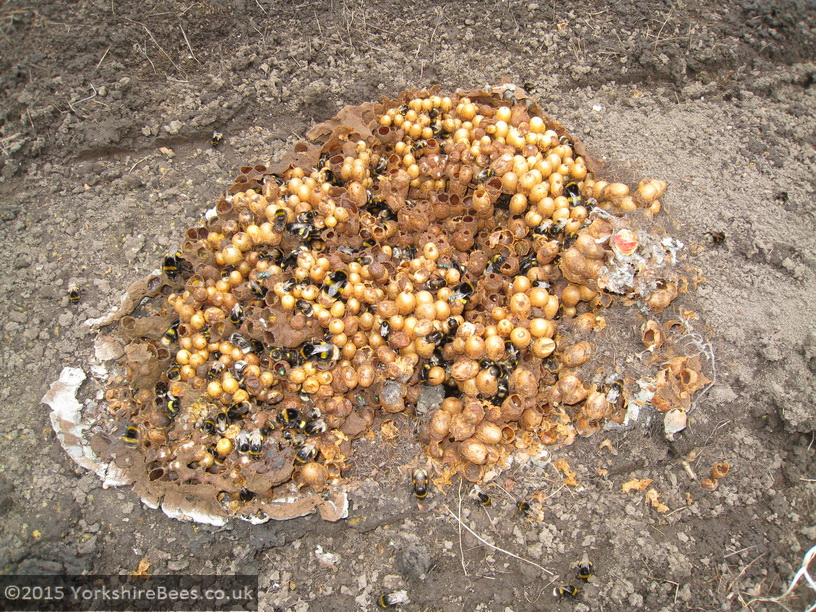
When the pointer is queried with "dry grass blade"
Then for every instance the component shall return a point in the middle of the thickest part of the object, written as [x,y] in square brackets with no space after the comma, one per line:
[501,550]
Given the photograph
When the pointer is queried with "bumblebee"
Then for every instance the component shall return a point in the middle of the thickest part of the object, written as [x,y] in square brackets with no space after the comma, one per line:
[614,393]
[240,342]
[73,294]
[258,289]
[435,337]
[221,421]
[290,259]
[716,237]
[495,262]
[403,110]
[131,435]
[280,217]
[322,352]
[381,167]
[463,292]
[216,369]
[216,139]
[172,265]
[173,406]
[480,496]
[238,411]
[236,315]
[384,329]
[267,429]
[174,371]
[239,367]
[255,442]
[306,453]
[524,508]
[289,417]
[369,243]
[566,140]
[569,239]
[208,427]
[392,600]
[304,231]
[419,478]
[242,442]
[246,495]
[573,194]
[485,175]
[566,591]
[305,307]
[419,146]
[436,283]
[171,335]
[527,263]
[585,570]
[404,253]
[315,427]
[450,326]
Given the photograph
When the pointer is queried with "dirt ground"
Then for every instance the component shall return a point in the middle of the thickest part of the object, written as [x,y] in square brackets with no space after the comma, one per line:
[107,112]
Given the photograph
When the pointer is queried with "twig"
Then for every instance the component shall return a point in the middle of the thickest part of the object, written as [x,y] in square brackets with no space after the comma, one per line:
[676,585]
[102,59]
[486,543]
[803,571]
[461,549]
[133,167]
[744,569]
[189,46]
[736,552]
[261,7]
[85,99]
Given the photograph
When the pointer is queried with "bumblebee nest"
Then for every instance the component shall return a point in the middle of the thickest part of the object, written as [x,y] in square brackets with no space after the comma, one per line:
[462,247]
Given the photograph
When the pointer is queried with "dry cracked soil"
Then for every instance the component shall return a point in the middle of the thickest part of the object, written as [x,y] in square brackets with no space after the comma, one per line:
[108,109]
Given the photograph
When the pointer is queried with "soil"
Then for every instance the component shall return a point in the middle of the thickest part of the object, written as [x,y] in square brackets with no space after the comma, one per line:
[107,113]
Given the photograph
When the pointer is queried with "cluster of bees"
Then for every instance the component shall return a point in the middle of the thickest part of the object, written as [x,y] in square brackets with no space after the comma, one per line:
[453,241]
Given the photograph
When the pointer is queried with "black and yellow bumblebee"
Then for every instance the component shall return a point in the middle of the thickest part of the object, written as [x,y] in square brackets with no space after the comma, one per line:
[236,315]
[524,508]
[573,194]
[173,406]
[585,570]
[208,427]
[280,217]
[246,495]
[305,307]
[392,600]
[462,293]
[419,478]
[306,453]
[255,442]
[73,294]
[242,442]
[221,421]
[173,265]
[485,175]
[495,262]
[215,371]
[480,496]
[315,426]
[131,435]
[174,371]
[322,352]
[566,140]
[171,335]
[290,417]
[566,591]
